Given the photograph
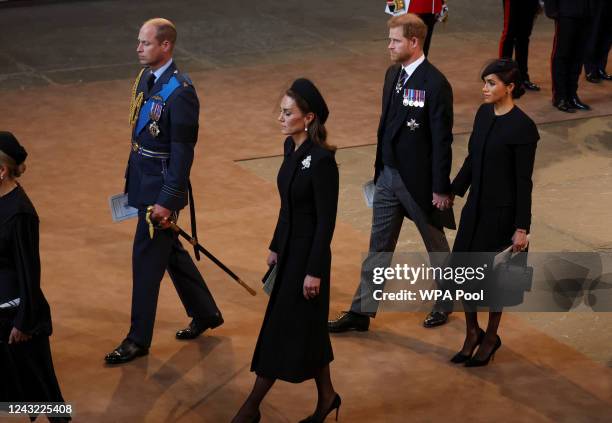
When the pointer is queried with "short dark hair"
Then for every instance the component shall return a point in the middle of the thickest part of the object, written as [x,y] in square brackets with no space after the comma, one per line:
[507,71]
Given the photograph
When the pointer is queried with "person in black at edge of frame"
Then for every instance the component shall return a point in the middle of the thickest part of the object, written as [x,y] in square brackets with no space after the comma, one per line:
[572,18]
[293,343]
[497,170]
[519,17]
[598,45]
[26,366]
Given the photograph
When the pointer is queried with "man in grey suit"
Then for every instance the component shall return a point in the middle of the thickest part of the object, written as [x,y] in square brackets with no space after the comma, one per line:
[412,168]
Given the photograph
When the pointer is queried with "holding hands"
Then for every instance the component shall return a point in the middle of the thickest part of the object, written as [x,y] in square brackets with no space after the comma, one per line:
[442,201]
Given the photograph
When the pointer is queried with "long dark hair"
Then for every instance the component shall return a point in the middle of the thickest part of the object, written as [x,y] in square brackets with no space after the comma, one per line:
[316,130]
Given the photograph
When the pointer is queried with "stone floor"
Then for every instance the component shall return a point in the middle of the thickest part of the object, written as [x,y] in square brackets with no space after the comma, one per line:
[66,69]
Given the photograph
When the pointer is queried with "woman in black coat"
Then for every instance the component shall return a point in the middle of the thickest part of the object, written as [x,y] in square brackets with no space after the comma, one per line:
[293,343]
[498,169]
[26,367]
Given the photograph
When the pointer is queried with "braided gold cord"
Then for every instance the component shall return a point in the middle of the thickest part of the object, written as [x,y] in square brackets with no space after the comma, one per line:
[136,101]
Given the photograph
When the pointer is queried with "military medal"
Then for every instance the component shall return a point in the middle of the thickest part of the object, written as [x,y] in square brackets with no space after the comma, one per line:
[405,102]
[421,102]
[411,97]
[155,114]
[413,125]
[154,129]
[398,86]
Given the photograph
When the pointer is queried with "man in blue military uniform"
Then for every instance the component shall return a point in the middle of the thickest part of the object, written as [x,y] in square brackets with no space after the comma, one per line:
[164,117]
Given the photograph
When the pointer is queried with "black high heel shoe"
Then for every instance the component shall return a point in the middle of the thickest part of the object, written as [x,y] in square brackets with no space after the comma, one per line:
[473,362]
[462,358]
[335,405]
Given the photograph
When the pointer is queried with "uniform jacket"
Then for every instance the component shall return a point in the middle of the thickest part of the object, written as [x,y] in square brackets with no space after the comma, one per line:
[424,6]
[424,155]
[165,182]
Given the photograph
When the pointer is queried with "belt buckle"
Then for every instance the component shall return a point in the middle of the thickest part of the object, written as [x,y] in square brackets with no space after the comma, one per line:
[135,147]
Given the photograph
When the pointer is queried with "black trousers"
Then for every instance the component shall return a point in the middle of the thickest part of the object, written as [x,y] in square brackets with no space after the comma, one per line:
[150,260]
[430,20]
[600,38]
[571,35]
[519,16]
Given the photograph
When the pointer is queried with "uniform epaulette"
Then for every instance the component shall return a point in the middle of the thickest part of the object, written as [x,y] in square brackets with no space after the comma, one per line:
[184,79]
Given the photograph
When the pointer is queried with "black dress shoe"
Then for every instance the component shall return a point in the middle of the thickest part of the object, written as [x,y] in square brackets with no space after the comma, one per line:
[349,321]
[575,103]
[473,362]
[528,85]
[435,318]
[195,328]
[564,106]
[462,358]
[335,405]
[592,78]
[127,351]
[603,75]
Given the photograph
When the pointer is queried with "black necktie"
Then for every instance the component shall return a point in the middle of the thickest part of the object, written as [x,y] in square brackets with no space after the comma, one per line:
[150,82]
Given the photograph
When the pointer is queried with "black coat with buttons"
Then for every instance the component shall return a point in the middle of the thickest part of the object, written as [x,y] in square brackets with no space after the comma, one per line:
[294,341]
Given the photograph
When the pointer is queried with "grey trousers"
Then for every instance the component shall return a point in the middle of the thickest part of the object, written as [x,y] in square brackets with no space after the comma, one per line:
[393,202]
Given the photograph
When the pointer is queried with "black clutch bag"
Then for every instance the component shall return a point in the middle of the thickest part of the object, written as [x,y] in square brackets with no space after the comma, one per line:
[269,279]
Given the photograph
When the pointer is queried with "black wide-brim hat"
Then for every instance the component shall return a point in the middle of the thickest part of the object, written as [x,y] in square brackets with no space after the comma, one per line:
[311,95]
[11,147]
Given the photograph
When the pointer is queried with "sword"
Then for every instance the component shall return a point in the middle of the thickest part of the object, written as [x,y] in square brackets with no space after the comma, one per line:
[176,228]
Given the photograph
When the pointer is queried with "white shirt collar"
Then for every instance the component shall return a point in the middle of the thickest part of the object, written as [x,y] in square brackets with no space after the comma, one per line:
[159,72]
[412,67]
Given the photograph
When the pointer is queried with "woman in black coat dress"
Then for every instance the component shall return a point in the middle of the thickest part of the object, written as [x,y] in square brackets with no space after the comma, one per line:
[293,343]
[498,169]
[26,367]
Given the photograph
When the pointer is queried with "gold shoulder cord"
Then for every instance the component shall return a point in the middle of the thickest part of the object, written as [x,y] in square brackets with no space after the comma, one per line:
[136,101]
